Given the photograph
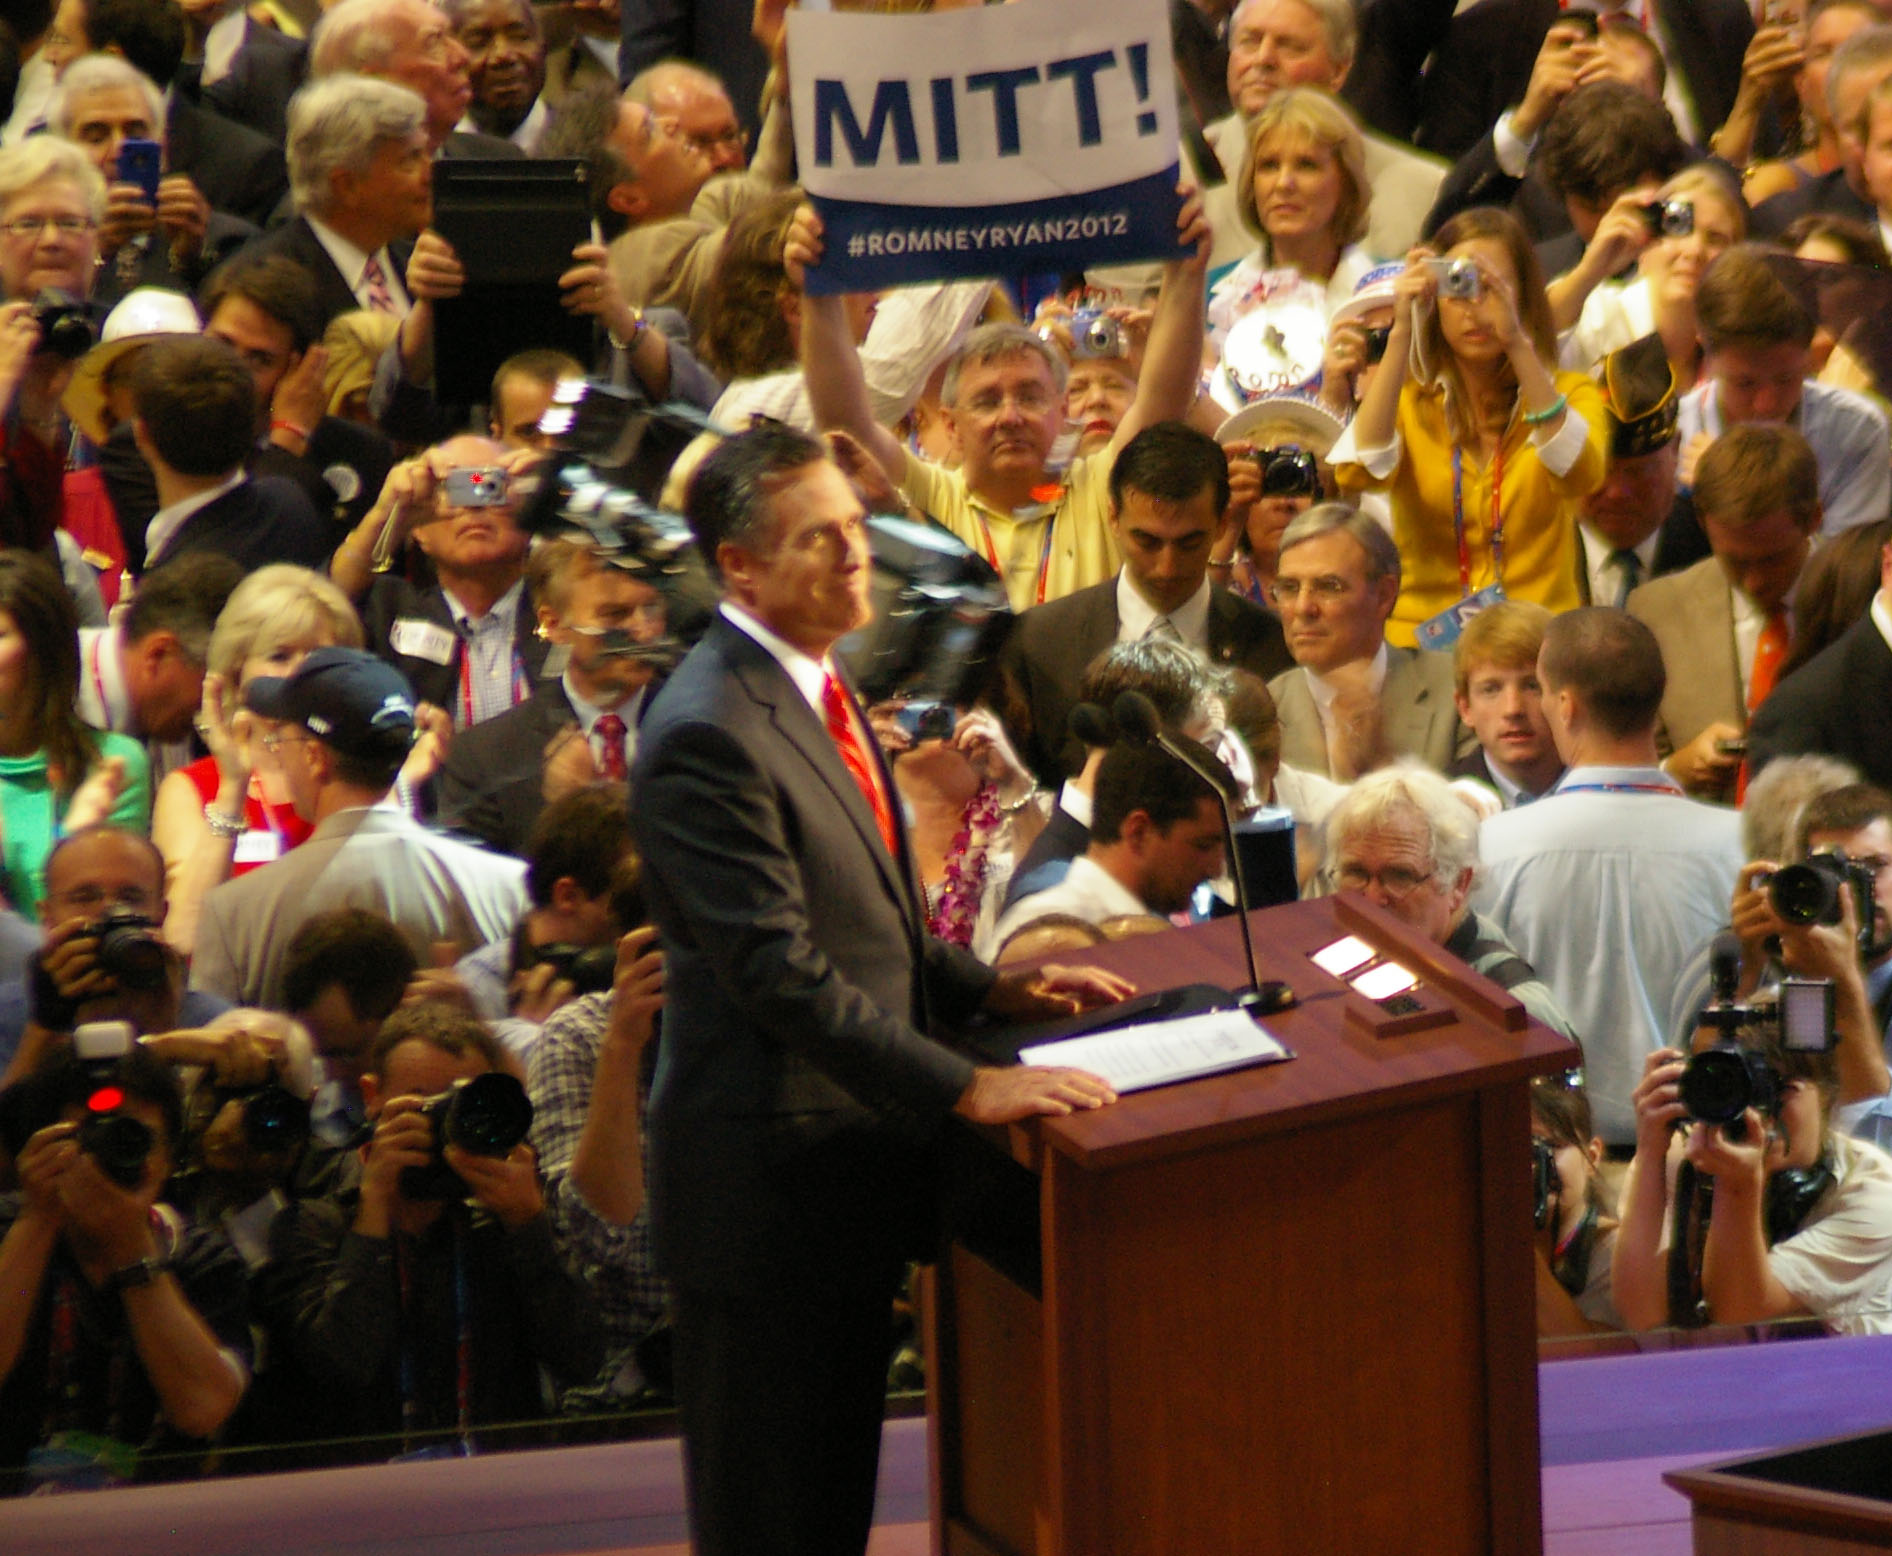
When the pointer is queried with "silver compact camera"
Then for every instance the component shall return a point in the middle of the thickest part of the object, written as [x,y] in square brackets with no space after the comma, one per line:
[1095,334]
[1669,218]
[1458,278]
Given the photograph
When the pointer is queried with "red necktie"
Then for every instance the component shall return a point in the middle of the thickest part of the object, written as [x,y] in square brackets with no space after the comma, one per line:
[380,297]
[609,729]
[834,703]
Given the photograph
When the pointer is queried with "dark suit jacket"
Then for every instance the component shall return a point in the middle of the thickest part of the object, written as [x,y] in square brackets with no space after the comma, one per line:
[1050,646]
[268,67]
[1062,839]
[492,785]
[1838,703]
[1829,194]
[1395,39]
[795,1096]
[258,522]
[471,143]
[390,599]
[235,169]
[152,266]
[1484,63]
[338,450]
[296,240]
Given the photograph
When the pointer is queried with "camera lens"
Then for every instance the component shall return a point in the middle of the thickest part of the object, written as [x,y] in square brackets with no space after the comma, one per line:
[130,951]
[274,1120]
[1376,336]
[487,1115]
[1717,1086]
[1806,894]
[120,1144]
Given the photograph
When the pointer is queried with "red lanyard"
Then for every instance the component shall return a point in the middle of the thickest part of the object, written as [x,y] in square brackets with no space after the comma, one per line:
[1044,555]
[1497,518]
[520,691]
[98,680]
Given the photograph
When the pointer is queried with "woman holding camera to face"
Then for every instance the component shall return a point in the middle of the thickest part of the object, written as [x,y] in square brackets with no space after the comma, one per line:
[1303,187]
[1677,233]
[1484,450]
[1576,1236]
[1800,1218]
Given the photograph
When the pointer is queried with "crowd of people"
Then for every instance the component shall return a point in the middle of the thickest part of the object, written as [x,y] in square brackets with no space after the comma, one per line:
[383,898]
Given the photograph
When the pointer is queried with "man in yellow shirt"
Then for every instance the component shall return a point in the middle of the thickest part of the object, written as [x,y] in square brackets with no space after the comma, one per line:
[1047,534]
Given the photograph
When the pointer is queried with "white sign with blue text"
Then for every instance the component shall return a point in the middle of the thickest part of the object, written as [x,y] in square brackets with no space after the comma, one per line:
[1003,139]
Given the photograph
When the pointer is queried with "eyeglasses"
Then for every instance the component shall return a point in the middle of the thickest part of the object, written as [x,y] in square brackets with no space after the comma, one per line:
[1397,882]
[735,136]
[276,739]
[1030,402]
[33,226]
[1285,591]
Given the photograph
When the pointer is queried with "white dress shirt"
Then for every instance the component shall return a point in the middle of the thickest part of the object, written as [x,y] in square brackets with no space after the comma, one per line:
[1606,576]
[1137,618]
[352,262]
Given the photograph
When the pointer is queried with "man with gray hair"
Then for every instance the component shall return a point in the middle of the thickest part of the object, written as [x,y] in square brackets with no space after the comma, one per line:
[409,43]
[175,241]
[505,51]
[1353,701]
[1857,66]
[361,176]
[1406,841]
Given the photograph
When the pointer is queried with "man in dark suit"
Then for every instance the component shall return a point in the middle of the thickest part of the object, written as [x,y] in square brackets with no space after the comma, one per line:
[597,613]
[363,178]
[244,70]
[797,1096]
[1169,490]
[195,423]
[470,643]
[714,33]
[239,171]
[1839,703]
[1484,65]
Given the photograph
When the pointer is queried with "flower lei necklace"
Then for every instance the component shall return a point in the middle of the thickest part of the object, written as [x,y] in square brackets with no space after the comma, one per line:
[956,912]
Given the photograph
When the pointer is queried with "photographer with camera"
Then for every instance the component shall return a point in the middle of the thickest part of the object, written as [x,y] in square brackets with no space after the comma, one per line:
[1277,469]
[1485,450]
[426,1301]
[1576,1235]
[123,1329]
[581,882]
[103,957]
[1800,1219]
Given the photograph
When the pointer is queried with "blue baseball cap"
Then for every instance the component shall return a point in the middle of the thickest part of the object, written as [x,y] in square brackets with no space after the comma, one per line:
[348,699]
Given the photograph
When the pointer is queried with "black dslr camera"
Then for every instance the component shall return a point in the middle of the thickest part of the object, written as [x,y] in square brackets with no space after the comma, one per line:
[487,1116]
[1288,471]
[1808,893]
[130,950]
[65,325]
[1721,1083]
[589,969]
[118,1142]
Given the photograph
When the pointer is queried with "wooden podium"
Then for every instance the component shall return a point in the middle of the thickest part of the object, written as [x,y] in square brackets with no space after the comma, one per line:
[1287,1309]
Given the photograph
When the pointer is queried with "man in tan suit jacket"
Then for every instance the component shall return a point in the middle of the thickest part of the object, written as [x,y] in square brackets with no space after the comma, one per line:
[1354,702]
[1757,493]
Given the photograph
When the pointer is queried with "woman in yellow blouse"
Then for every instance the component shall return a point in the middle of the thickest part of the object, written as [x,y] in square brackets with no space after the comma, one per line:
[1466,404]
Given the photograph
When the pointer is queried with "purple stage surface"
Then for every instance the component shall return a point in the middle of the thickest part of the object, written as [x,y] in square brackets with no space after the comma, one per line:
[1611,1427]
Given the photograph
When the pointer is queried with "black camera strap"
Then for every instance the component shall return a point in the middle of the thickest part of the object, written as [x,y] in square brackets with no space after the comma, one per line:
[1791,1196]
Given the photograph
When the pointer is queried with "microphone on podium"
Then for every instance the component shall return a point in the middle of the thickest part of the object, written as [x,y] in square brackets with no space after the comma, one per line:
[1137,723]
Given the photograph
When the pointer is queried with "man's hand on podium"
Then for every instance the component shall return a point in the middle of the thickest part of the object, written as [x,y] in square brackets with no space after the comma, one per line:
[1048,992]
[1004,1096]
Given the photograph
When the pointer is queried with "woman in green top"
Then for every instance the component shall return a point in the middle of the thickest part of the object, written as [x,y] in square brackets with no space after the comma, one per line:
[46,753]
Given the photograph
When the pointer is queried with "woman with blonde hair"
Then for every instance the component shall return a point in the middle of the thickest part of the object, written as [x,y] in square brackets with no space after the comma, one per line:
[1303,188]
[228,813]
[1484,451]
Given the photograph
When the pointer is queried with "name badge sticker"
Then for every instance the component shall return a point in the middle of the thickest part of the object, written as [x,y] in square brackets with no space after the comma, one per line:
[422,640]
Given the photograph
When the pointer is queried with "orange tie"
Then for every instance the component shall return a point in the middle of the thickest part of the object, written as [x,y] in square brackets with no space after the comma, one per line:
[834,703]
[1769,651]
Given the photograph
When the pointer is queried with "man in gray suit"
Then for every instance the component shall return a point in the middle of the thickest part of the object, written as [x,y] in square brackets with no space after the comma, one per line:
[347,721]
[1354,702]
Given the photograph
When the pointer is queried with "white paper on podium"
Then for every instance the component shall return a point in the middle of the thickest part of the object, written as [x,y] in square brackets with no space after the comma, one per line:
[1158,1053]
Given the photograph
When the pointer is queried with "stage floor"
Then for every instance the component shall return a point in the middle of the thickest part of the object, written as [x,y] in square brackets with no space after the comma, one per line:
[1610,1428]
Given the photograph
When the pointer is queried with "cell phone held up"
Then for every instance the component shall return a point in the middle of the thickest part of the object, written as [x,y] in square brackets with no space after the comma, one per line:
[141,162]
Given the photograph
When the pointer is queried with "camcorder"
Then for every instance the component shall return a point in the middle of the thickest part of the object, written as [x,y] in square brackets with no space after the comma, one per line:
[1095,334]
[1288,471]
[1457,278]
[1669,218]
[486,1115]
[1719,1084]
[1808,893]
